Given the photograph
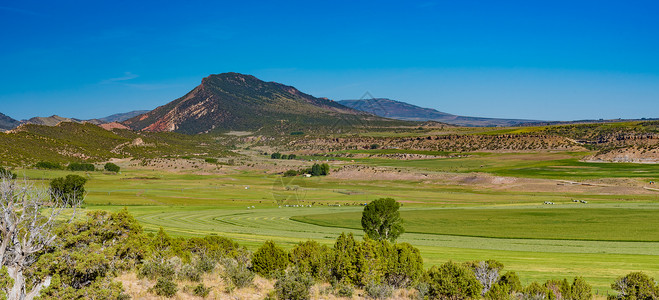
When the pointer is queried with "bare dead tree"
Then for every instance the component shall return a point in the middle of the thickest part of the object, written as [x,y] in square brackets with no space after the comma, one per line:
[487,275]
[28,217]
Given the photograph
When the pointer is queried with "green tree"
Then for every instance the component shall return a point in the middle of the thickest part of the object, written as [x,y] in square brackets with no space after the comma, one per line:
[345,259]
[275,155]
[213,247]
[110,167]
[381,220]
[371,261]
[290,173]
[48,165]
[635,286]
[315,170]
[268,260]
[312,258]
[86,254]
[499,291]
[452,281]
[81,167]
[405,266]
[560,288]
[4,173]
[69,189]
[581,290]
[324,169]
[512,281]
[537,291]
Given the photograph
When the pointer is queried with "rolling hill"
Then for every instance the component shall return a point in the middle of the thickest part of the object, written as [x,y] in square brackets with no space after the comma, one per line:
[404,111]
[233,101]
[73,142]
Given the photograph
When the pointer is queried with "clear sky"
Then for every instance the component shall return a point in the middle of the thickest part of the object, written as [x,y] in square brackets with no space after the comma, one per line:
[550,60]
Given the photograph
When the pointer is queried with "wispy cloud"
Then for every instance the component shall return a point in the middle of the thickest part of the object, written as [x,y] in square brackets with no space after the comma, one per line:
[20,11]
[127,76]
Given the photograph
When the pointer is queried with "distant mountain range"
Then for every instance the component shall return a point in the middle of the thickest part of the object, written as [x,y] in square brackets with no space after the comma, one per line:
[233,101]
[7,123]
[404,111]
[238,102]
[120,117]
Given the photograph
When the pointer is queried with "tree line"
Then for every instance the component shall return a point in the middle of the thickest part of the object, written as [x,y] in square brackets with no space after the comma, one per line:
[74,166]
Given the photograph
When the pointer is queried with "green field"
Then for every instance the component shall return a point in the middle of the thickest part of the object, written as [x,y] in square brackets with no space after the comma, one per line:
[611,235]
[607,222]
[551,165]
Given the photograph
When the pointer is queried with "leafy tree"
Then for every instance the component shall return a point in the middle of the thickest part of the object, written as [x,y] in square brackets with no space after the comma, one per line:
[4,173]
[275,155]
[345,259]
[292,156]
[284,156]
[269,259]
[162,247]
[581,290]
[315,170]
[312,258]
[405,266]
[102,288]
[69,189]
[372,261]
[48,165]
[635,286]
[290,173]
[324,169]
[504,289]
[81,167]
[560,288]
[110,167]
[512,281]
[381,219]
[537,291]
[452,281]
[499,291]
[212,247]
[87,253]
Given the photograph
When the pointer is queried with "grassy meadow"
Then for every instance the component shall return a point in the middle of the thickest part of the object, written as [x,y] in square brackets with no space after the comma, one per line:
[611,235]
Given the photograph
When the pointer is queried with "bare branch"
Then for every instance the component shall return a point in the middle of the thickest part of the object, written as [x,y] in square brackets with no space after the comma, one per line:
[25,229]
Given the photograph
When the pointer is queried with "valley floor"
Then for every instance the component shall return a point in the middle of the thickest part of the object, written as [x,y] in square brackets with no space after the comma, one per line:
[477,207]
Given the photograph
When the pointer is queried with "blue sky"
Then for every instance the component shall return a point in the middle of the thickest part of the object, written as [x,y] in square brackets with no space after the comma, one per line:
[551,60]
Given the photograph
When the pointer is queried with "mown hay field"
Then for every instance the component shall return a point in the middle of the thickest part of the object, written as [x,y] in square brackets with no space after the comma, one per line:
[613,234]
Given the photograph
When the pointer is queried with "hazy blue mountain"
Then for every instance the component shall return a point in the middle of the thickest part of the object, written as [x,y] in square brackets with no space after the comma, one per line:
[120,117]
[404,111]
